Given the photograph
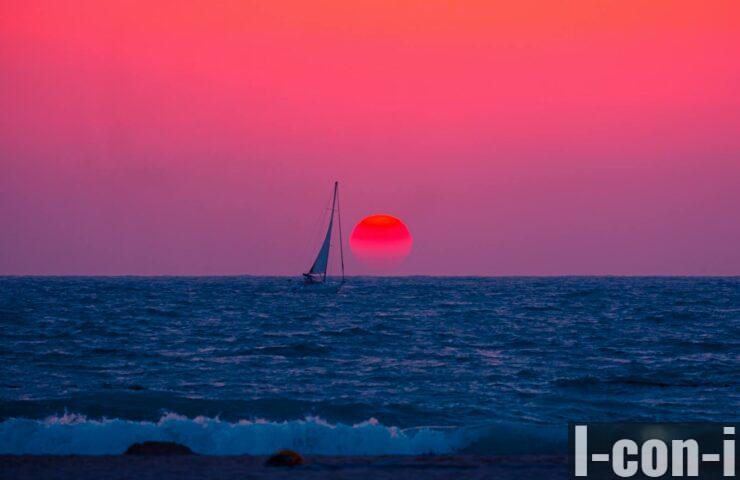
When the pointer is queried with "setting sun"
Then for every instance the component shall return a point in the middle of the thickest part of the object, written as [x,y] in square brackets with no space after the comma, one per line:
[381,240]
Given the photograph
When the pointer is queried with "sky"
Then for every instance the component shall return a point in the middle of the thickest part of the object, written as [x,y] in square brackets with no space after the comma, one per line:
[513,138]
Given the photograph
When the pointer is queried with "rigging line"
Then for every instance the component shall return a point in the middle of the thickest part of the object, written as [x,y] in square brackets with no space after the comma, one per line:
[331,220]
[339,217]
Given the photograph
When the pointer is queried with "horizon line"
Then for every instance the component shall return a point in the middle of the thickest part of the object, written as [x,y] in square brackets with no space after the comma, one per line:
[297,276]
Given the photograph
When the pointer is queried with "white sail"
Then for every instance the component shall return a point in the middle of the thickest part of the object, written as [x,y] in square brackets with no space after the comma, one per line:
[322,259]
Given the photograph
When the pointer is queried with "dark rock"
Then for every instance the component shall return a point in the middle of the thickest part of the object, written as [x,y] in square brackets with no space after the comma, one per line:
[158,448]
[284,458]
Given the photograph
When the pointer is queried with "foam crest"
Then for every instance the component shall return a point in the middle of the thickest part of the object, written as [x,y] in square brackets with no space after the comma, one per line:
[76,434]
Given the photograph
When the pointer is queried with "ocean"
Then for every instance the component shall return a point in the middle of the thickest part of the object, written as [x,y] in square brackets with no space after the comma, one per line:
[384,366]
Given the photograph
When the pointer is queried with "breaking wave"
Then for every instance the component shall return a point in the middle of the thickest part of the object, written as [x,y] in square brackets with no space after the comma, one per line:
[76,434]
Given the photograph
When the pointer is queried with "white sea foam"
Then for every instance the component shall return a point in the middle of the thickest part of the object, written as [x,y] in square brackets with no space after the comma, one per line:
[76,434]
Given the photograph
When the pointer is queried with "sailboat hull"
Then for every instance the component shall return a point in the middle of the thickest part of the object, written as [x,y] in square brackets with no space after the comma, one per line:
[310,279]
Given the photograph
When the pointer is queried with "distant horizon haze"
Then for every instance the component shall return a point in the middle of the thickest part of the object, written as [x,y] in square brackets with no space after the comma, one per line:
[526,138]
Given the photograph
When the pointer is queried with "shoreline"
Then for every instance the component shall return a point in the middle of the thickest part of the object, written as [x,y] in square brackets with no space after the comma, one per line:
[165,467]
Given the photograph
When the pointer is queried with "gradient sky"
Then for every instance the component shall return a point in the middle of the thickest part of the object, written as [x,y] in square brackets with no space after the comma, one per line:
[561,137]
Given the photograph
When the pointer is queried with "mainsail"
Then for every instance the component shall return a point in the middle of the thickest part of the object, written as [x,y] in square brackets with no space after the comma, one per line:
[322,259]
[319,267]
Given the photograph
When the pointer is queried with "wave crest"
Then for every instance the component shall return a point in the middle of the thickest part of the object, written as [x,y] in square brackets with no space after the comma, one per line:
[76,434]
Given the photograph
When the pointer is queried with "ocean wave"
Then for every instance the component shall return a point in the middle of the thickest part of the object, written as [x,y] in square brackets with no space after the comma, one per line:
[76,434]
[665,380]
[71,434]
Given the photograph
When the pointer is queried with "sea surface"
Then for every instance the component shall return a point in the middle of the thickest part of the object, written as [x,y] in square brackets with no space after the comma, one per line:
[412,365]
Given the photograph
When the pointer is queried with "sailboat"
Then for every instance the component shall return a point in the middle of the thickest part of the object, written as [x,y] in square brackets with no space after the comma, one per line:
[317,272]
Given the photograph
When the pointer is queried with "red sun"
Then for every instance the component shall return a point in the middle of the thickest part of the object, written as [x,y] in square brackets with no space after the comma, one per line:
[380,240]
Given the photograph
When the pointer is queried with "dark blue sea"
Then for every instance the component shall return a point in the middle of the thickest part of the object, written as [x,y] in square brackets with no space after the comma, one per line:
[234,365]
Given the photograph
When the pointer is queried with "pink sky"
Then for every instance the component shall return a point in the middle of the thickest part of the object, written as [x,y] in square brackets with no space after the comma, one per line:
[580,137]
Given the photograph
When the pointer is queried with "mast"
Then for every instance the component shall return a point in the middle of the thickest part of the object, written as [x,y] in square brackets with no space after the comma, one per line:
[331,220]
[339,217]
